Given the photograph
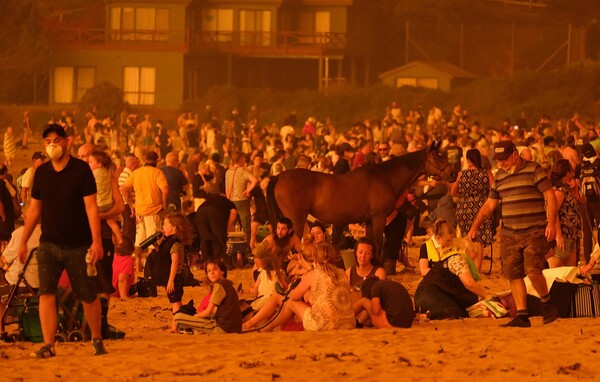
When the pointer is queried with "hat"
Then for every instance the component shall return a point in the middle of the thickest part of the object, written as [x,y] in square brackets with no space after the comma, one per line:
[38,155]
[503,149]
[588,150]
[54,128]
[345,146]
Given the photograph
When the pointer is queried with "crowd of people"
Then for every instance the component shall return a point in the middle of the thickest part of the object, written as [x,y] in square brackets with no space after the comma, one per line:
[101,191]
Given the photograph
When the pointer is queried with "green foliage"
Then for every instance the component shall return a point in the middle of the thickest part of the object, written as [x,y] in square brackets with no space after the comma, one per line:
[105,99]
[489,100]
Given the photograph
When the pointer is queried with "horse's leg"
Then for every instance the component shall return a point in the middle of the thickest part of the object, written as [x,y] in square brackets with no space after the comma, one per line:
[298,217]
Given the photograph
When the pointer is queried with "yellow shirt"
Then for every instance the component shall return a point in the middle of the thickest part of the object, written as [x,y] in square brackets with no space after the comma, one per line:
[147,183]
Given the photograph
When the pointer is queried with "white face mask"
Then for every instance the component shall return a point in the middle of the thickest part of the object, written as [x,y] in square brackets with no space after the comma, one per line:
[54,151]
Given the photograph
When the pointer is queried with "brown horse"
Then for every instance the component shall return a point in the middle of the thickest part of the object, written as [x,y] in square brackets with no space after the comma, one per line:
[365,195]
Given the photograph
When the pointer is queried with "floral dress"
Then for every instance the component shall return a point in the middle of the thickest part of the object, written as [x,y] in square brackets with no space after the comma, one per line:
[569,215]
[474,187]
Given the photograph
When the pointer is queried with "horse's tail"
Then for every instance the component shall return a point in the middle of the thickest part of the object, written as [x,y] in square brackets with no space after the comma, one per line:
[274,212]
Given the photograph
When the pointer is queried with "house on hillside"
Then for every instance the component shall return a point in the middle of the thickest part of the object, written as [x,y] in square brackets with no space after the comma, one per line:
[164,52]
[428,74]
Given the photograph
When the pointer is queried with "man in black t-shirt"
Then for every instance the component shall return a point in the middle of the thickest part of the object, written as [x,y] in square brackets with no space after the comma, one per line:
[587,169]
[64,197]
[214,218]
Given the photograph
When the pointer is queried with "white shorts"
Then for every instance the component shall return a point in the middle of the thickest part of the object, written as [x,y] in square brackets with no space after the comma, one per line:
[146,226]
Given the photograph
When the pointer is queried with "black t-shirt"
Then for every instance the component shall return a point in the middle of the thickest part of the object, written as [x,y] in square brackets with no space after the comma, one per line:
[176,181]
[64,219]
[341,166]
[219,202]
[395,301]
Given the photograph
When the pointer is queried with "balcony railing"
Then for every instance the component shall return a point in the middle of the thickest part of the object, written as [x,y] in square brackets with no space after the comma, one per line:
[236,42]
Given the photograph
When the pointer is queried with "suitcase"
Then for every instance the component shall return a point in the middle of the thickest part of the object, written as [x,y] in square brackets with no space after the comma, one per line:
[586,301]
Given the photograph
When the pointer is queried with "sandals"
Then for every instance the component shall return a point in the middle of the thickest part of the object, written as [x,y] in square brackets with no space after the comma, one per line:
[46,351]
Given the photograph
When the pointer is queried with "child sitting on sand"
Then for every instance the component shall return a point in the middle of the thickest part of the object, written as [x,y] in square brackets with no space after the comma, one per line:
[222,315]
[269,274]
[386,303]
[101,166]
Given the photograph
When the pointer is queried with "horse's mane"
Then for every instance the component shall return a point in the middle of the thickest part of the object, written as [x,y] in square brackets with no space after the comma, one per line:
[412,160]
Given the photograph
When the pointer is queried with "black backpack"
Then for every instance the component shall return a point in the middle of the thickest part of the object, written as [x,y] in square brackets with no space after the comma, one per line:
[589,181]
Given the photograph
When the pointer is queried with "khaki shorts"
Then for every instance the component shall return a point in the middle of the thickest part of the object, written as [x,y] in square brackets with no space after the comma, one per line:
[570,247]
[523,254]
[204,325]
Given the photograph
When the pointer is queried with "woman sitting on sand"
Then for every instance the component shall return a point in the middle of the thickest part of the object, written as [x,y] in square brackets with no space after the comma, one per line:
[431,251]
[305,261]
[364,268]
[450,287]
[328,307]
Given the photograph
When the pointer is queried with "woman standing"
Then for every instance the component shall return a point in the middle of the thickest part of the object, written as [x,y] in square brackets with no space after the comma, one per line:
[569,222]
[472,187]
[10,146]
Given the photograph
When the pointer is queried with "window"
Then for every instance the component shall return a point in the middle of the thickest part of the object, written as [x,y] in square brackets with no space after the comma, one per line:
[315,26]
[218,23]
[139,85]
[71,83]
[431,83]
[255,28]
[142,24]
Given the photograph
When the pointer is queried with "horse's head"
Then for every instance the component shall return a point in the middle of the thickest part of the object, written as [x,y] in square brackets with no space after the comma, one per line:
[437,163]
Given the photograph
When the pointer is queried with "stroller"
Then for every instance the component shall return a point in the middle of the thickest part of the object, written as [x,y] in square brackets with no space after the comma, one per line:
[22,309]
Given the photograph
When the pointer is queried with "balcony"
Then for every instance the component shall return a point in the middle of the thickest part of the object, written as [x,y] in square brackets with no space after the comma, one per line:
[241,43]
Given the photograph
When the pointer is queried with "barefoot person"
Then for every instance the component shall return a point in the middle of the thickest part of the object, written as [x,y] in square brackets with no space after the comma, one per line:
[64,197]
[529,225]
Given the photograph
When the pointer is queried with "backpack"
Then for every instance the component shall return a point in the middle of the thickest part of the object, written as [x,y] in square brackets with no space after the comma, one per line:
[589,182]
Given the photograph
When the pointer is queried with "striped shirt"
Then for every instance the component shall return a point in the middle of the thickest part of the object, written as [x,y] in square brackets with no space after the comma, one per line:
[522,196]
[121,181]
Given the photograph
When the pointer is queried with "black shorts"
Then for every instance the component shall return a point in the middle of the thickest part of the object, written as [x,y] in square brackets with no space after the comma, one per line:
[52,260]
[177,294]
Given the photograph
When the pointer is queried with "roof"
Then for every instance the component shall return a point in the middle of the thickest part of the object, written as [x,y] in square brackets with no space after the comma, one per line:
[439,66]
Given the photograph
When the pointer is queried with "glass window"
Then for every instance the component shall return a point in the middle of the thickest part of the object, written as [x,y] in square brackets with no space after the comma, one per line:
[255,27]
[143,24]
[63,84]
[139,85]
[219,24]
[406,81]
[86,79]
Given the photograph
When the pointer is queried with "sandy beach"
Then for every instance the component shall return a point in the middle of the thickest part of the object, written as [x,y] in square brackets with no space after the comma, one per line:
[446,350]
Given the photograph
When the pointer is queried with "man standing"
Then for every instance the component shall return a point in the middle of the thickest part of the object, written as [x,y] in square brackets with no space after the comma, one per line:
[587,174]
[529,227]
[238,184]
[151,195]
[214,218]
[64,197]
[131,164]
[176,181]
[37,159]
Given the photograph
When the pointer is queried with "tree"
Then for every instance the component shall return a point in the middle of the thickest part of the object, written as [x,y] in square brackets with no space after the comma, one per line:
[105,99]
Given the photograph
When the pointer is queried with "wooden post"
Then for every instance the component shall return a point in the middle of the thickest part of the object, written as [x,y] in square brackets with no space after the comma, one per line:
[568,62]
[320,74]
[326,79]
[229,69]
[461,51]
[406,42]
[512,49]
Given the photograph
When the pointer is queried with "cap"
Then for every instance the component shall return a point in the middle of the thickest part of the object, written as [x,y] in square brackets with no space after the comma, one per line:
[54,128]
[588,150]
[38,155]
[345,146]
[503,149]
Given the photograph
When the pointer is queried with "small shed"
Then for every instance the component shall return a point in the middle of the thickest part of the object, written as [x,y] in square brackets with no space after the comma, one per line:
[428,74]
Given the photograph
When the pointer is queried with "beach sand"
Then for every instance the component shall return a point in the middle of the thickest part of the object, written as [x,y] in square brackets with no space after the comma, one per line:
[449,350]
[446,350]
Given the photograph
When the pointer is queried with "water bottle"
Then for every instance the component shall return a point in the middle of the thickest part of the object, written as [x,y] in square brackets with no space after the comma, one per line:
[91,268]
